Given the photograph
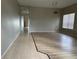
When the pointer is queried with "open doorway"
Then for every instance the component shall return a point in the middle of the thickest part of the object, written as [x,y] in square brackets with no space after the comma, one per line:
[26,23]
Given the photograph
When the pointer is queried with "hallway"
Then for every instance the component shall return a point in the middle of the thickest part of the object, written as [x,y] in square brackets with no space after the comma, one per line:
[24,48]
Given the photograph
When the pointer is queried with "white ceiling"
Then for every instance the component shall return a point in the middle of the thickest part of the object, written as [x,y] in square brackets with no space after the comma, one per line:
[47,3]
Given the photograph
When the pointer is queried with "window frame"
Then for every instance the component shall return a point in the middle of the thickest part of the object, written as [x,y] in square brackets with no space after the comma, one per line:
[74,20]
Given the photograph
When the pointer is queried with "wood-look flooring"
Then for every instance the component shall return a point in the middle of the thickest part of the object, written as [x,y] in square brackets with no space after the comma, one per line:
[56,45]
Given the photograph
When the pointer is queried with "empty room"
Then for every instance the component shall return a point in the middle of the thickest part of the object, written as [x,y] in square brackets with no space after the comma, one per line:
[38,29]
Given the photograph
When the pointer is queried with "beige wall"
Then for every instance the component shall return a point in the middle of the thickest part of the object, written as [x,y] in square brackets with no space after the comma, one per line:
[10,23]
[43,20]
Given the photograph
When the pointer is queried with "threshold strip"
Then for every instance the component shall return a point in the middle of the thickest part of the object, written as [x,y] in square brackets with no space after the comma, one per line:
[37,48]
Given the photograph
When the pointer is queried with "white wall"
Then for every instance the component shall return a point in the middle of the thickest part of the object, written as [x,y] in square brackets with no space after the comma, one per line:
[22,23]
[10,23]
[43,20]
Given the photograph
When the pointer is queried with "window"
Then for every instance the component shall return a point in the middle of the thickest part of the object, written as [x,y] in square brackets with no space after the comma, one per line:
[68,21]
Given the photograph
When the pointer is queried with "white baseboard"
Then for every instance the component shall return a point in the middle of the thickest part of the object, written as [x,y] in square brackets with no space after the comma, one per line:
[10,45]
[40,31]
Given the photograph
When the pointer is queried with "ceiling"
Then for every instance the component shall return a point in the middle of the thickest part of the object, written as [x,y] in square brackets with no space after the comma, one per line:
[47,3]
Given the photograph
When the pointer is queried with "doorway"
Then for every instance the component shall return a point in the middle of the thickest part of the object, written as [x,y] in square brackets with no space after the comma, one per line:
[26,23]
